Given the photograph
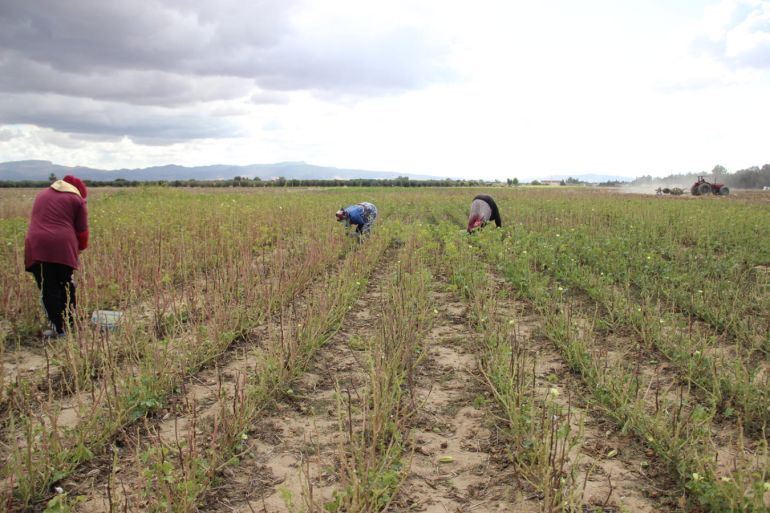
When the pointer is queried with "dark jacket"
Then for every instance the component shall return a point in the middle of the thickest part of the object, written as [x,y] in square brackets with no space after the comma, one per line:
[495,212]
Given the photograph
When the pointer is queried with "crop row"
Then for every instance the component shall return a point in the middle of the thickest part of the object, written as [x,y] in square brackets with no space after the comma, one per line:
[671,421]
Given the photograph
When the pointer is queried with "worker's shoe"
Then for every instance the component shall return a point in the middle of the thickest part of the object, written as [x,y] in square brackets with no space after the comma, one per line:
[54,334]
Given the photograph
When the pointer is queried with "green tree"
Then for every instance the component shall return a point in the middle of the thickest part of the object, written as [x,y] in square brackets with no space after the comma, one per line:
[52,177]
[718,170]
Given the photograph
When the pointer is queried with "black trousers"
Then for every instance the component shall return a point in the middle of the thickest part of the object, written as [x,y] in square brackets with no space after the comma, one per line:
[58,293]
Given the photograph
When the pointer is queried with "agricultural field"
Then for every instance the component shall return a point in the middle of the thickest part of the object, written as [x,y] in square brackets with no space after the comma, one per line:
[602,352]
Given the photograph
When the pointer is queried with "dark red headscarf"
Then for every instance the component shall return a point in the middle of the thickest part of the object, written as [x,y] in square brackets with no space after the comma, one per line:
[78,183]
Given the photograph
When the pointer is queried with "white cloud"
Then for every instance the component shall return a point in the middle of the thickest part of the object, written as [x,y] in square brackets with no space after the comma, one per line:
[60,140]
[728,45]
[269,98]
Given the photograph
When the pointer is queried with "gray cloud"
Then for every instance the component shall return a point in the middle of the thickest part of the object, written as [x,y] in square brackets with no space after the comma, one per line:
[61,140]
[144,62]
[6,134]
[134,87]
[84,36]
[91,118]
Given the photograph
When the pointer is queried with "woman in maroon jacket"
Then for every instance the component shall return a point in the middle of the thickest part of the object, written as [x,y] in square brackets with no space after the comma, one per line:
[58,232]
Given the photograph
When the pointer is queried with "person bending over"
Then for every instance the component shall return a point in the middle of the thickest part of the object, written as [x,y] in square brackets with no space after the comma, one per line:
[361,217]
[483,209]
[58,233]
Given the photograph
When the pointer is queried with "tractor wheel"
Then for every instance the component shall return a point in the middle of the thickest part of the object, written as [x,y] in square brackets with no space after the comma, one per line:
[704,189]
[724,190]
[694,190]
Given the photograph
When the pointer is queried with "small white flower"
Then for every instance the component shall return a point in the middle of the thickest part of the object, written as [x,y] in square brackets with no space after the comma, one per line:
[554,392]
[59,490]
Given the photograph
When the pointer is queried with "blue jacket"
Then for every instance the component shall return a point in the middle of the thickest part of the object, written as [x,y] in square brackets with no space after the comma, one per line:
[355,214]
[362,214]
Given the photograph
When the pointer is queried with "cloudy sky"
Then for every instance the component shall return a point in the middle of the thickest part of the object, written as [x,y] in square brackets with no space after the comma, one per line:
[489,88]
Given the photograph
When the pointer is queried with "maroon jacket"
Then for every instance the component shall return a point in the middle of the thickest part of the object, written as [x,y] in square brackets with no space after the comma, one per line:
[58,228]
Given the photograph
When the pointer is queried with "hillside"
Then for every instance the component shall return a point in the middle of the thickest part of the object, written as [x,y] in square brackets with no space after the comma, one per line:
[41,169]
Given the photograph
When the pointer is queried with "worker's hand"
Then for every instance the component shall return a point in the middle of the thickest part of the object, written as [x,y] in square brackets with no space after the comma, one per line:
[80,251]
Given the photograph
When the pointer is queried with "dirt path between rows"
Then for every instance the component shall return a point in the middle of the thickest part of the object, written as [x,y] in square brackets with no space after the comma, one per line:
[298,445]
[459,459]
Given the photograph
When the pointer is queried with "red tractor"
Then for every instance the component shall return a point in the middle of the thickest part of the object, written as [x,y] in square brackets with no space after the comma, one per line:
[702,187]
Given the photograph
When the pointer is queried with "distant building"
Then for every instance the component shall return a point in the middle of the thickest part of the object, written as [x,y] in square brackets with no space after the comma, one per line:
[550,182]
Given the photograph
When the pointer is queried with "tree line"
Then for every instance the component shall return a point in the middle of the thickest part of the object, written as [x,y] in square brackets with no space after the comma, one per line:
[240,181]
[753,177]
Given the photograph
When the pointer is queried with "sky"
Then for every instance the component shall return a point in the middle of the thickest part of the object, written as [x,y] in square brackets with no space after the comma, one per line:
[490,89]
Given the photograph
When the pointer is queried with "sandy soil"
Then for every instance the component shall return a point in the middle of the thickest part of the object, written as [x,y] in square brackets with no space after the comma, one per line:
[293,447]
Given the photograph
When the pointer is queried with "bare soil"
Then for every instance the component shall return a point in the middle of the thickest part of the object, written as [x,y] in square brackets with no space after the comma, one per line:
[294,445]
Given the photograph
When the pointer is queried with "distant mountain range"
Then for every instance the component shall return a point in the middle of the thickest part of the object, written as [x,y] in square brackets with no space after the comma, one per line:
[42,169]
